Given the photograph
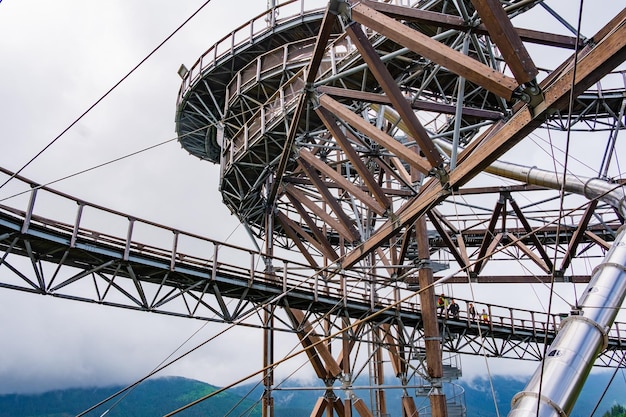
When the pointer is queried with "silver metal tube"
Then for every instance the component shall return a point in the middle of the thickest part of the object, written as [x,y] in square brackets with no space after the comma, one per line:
[592,188]
[581,338]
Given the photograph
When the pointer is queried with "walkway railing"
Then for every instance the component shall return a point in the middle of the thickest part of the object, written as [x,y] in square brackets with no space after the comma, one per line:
[258,26]
[127,238]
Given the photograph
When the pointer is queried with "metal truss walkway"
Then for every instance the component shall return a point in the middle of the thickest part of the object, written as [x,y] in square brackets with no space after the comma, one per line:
[69,260]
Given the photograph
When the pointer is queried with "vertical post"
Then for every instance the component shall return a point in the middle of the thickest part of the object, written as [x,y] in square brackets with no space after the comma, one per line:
[268,313]
[432,338]
[129,236]
[174,251]
[79,215]
[29,212]
[215,264]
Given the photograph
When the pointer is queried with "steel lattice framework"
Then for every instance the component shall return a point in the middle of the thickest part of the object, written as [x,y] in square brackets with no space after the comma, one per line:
[367,139]
[350,144]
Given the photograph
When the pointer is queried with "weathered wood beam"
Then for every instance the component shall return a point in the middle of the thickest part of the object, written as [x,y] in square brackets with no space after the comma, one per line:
[598,240]
[330,199]
[286,225]
[303,331]
[533,236]
[331,124]
[437,52]
[377,135]
[578,235]
[428,17]
[346,230]
[447,240]
[600,59]
[390,87]
[509,43]
[354,190]
[531,255]
[295,228]
[318,234]
[319,407]
[321,349]
[329,20]
[489,235]
[415,104]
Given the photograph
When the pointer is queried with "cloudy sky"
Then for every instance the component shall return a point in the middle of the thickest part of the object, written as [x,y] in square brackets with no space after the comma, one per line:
[57,59]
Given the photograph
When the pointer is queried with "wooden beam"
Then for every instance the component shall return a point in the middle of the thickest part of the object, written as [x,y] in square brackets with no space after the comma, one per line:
[347,231]
[415,104]
[286,224]
[599,241]
[330,199]
[489,235]
[428,17]
[317,232]
[341,181]
[380,137]
[604,56]
[528,252]
[299,230]
[447,240]
[322,349]
[329,20]
[331,124]
[435,51]
[533,236]
[509,43]
[399,102]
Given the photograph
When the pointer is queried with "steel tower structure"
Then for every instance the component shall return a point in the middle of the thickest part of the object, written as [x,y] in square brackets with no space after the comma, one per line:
[348,134]
[379,150]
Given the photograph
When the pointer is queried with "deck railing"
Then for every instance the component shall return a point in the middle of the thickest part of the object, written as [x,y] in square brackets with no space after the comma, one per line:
[141,240]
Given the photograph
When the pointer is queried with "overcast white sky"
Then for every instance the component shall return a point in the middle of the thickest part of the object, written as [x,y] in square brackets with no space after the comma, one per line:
[57,58]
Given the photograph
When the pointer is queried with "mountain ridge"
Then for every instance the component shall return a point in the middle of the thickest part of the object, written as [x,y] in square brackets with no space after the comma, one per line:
[162,395]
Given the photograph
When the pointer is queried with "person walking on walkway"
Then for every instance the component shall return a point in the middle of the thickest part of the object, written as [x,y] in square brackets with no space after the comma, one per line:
[442,304]
[471,312]
[454,308]
[484,317]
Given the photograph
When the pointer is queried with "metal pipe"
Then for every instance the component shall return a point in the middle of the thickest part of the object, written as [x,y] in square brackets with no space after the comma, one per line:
[556,384]
[592,188]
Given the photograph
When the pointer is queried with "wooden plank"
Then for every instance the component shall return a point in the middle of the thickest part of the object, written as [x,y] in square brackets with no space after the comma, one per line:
[415,104]
[292,226]
[321,348]
[528,252]
[348,233]
[380,137]
[286,224]
[447,240]
[317,232]
[330,199]
[437,52]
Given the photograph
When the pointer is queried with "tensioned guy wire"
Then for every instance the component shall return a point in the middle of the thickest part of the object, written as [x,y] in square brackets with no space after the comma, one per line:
[109,91]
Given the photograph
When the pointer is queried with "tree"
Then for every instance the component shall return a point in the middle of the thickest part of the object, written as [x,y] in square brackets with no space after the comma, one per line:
[616,411]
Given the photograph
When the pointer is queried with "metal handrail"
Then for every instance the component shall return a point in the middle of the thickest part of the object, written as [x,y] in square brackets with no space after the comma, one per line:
[288,274]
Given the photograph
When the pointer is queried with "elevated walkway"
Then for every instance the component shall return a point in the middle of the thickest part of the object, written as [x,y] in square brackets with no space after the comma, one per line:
[196,277]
